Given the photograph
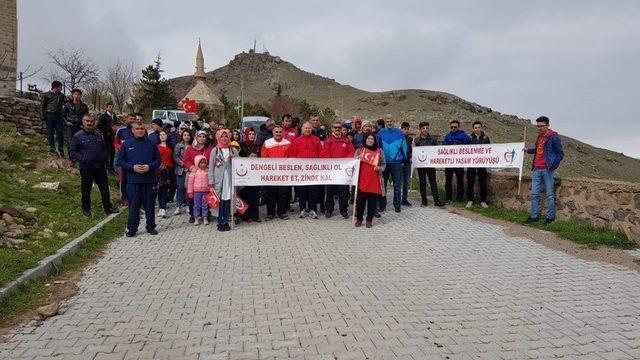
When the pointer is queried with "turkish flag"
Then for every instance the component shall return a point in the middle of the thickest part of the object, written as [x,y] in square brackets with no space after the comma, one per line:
[241,206]
[212,199]
[189,106]
[370,157]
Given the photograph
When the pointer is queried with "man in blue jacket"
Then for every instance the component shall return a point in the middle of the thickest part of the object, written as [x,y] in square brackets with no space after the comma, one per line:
[139,158]
[88,149]
[394,146]
[454,137]
[547,155]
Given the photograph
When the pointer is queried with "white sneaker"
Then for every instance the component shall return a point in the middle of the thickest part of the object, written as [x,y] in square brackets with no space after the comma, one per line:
[312,214]
[303,214]
[469,204]
[162,213]
[484,205]
[177,212]
[196,222]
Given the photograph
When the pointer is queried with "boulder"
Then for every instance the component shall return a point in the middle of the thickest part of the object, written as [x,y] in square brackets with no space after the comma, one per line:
[636,200]
[48,311]
[22,182]
[606,213]
[47,186]
[6,209]
[8,218]
[620,214]
[62,234]
[31,210]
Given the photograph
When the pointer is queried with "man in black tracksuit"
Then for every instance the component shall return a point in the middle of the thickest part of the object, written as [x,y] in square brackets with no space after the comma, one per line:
[89,150]
[105,126]
[140,158]
[477,137]
[52,102]
[426,139]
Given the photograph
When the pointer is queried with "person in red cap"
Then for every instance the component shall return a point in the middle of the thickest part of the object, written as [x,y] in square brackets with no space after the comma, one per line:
[307,146]
[337,146]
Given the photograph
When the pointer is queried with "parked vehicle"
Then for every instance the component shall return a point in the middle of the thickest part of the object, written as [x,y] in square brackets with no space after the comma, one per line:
[170,116]
[253,121]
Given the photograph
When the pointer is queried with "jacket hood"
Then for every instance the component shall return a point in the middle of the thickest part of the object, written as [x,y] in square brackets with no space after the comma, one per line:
[197,160]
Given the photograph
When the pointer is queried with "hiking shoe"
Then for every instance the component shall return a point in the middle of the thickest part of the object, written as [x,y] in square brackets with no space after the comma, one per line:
[284,217]
[191,220]
[424,203]
[312,214]
[111,211]
[269,217]
[439,203]
[529,221]
[369,224]
[406,203]
[162,213]
[484,205]
[358,223]
[177,211]
[257,220]
[86,213]
[469,204]
[397,209]
[130,233]
[303,214]
[327,214]
[448,202]
[377,214]
[152,232]
[548,221]
[344,215]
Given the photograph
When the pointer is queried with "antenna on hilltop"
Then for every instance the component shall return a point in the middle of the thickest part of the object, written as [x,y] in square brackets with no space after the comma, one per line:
[254,44]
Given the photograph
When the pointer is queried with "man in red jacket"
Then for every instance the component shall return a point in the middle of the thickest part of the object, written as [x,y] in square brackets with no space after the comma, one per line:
[307,146]
[337,146]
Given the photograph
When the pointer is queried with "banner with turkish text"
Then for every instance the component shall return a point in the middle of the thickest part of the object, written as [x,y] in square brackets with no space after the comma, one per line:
[294,171]
[507,155]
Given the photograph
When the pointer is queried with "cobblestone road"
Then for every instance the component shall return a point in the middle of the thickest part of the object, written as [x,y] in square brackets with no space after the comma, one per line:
[425,284]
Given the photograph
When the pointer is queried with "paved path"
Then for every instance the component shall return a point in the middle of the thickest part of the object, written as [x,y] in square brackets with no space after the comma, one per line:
[424,285]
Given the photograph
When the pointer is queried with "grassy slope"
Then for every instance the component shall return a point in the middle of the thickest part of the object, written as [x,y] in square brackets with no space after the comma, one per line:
[57,210]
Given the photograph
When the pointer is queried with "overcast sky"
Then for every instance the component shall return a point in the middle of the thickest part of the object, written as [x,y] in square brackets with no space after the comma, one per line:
[575,61]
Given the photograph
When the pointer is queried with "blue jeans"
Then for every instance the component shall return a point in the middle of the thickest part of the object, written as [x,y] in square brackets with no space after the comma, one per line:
[55,132]
[394,171]
[224,212]
[180,189]
[406,180]
[538,177]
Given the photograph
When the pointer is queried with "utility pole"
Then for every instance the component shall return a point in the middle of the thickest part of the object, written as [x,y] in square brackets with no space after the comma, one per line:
[241,100]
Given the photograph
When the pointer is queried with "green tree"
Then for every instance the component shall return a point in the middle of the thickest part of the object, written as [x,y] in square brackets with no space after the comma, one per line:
[156,92]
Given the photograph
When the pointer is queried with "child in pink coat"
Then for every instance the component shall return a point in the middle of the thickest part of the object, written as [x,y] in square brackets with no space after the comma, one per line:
[197,188]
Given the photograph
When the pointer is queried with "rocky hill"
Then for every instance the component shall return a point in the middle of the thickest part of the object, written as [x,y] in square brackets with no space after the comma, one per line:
[262,73]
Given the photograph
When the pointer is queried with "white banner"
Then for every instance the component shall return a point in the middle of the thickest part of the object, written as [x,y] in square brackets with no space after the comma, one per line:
[508,155]
[253,171]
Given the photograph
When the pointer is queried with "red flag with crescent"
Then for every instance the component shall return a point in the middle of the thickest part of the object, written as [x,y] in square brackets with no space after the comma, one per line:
[212,199]
[241,206]
[189,106]
[370,157]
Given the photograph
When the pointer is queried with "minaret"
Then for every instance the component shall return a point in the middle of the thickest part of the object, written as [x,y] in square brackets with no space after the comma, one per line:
[199,74]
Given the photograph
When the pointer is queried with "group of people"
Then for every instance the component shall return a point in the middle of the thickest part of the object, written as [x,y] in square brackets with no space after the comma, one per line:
[187,162]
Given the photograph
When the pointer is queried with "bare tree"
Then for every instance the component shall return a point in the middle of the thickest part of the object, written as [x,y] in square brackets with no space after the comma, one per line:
[73,67]
[119,81]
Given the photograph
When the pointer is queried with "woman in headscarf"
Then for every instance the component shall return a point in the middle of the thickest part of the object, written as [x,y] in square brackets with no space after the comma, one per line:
[220,177]
[370,179]
[250,194]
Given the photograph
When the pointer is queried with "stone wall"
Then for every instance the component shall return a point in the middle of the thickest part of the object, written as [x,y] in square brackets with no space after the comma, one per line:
[8,46]
[22,115]
[602,203]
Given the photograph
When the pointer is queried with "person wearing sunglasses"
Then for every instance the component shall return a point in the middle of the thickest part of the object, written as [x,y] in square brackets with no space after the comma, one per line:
[547,155]
[455,136]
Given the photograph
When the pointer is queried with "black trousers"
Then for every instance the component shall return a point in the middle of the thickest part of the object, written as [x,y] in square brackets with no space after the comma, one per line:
[423,174]
[368,199]
[320,196]
[482,180]
[277,200]
[308,197]
[87,178]
[448,175]
[111,150]
[251,195]
[343,198]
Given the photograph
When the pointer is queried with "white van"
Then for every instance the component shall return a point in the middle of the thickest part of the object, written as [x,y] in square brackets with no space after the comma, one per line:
[254,122]
[169,116]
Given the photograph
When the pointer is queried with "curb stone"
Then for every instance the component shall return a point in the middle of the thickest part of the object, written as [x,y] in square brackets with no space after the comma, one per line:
[45,265]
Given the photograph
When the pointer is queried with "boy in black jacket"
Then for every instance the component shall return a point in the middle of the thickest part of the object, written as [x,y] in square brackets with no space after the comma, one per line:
[477,137]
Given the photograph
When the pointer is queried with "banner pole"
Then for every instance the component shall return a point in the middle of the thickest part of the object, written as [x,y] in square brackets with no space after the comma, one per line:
[524,141]
[232,206]
[355,198]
